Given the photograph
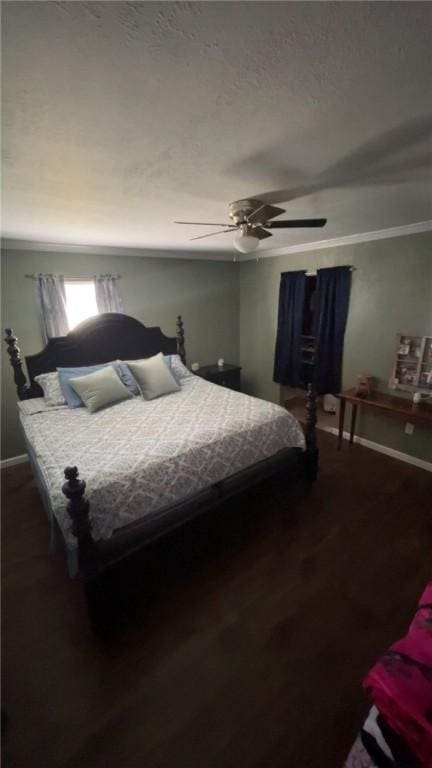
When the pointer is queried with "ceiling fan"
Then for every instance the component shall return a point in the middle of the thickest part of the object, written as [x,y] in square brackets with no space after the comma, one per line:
[252,219]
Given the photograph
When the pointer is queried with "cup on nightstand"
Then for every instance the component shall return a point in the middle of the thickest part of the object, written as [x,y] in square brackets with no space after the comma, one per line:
[221,362]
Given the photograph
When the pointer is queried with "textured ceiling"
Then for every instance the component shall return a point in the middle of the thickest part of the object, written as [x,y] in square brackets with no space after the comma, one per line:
[120,117]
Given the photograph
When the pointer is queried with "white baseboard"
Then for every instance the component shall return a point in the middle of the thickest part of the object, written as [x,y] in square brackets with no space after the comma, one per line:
[14,460]
[406,457]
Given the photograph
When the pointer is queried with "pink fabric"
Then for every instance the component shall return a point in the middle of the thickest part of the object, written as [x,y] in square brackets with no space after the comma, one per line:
[401,683]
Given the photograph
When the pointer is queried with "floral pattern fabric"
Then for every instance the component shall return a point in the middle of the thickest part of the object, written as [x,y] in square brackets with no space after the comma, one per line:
[50,384]
[138,457]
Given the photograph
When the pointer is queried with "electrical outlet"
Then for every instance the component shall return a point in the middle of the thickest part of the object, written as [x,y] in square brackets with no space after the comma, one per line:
[409,428]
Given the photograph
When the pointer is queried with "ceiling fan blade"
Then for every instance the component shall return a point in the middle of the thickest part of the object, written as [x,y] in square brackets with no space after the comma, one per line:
[206,223]
[261,233]
[295,223]
[220,232]
[264,213]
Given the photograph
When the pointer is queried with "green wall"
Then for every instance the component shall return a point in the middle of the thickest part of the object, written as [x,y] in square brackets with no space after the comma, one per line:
[391,293]
[155,290]
[230,310]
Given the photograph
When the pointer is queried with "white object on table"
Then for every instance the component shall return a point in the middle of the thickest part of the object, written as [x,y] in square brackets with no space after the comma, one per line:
[221,362]
[195,366]
[330,403]
[416,397]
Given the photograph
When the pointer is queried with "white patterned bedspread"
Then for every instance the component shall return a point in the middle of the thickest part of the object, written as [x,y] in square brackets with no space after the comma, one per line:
[138,456]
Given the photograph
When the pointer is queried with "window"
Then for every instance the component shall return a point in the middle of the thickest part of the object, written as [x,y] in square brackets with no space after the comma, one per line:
[80,301]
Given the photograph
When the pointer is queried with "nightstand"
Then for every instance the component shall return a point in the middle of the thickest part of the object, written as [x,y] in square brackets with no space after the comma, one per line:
[228,376]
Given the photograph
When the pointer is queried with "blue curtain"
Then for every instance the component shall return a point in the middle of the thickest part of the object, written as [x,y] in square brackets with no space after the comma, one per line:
[333,291]
[290,320]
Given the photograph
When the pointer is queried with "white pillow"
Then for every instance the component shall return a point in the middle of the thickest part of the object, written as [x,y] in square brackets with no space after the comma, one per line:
[179,370]
[101,388]
[174,363]
[153,377]
[50,384]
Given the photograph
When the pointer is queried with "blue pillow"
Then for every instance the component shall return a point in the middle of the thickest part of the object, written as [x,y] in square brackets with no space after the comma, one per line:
[122,369]
[73,400]
[127,378]
[169,360]
[65,374]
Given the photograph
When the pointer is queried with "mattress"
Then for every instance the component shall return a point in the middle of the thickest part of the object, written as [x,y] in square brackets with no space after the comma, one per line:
[139,457]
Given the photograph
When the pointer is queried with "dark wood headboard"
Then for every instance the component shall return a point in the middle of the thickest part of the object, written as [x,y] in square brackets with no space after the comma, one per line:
[100,339]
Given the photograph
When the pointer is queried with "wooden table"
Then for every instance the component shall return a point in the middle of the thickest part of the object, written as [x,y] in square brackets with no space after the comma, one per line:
[414,413]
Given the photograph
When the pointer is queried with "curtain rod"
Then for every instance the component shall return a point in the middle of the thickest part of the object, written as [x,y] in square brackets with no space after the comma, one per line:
[312,273]
[35,275]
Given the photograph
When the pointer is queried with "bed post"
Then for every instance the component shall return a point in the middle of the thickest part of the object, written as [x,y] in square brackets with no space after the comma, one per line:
[310,434]
[78,508]
[16,363]
[181,339]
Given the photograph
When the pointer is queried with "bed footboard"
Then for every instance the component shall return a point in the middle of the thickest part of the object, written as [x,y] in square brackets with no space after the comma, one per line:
[78,508]
[312,454]
[94,560]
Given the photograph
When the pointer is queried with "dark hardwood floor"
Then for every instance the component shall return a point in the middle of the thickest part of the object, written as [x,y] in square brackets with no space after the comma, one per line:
[241,641]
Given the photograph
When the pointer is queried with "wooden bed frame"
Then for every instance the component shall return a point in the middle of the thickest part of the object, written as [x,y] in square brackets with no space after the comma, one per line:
[116,336]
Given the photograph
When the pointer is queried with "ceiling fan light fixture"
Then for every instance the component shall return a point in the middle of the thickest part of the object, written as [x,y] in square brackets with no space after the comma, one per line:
[246,243]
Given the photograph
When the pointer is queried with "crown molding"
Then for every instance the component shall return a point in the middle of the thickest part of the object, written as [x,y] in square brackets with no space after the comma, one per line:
[14,244]
[362,237]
